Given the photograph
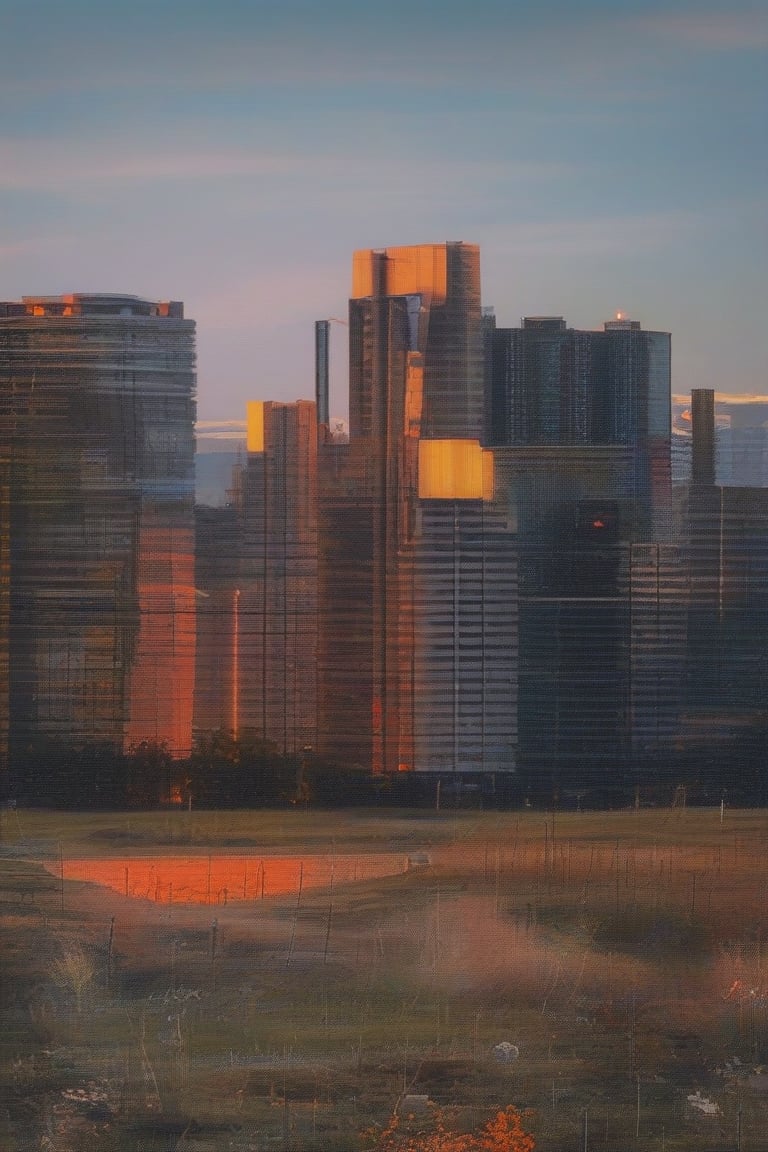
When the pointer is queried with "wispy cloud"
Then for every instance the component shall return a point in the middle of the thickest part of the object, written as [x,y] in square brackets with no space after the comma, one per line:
[35,163]
[81,168]
[176,50]
[488,46]
[723,30]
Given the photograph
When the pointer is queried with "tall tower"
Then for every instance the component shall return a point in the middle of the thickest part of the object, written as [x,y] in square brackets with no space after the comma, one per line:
[551,385]
[580,423]
[725,533]
[96,445]
[398,520]
[437,287]
[257,587]
[275,603]
[703,437]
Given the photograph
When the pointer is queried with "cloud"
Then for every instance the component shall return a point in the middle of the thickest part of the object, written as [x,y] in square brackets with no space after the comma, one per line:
[488,47]
[720,31]
[253,180]
[55,164]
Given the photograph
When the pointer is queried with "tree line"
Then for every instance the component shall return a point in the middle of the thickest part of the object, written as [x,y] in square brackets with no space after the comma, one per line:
[247,771]
[223,771]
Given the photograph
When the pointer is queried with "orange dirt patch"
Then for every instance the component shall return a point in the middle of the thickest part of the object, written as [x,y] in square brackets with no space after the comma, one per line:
[223,879]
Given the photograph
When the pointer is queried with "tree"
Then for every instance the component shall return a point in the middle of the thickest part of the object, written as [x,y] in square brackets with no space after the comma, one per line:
[504,1133]
[149,767]
[229,771]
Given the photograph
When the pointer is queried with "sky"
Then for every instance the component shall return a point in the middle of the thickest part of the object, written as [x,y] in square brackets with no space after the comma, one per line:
[605,156]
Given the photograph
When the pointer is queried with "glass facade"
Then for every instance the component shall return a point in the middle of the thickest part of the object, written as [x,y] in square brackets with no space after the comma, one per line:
[97,405]
[257,587]
[549,384]
[460,591]
[398,691]
[275,607]
[489,577]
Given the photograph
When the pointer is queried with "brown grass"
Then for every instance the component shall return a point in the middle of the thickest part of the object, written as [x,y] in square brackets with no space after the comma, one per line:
[625,945]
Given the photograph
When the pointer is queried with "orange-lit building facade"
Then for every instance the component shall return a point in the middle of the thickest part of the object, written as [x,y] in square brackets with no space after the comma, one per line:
[257,587]
[416,617]
[275,627]
[485,580]
[97,404]
[498,593]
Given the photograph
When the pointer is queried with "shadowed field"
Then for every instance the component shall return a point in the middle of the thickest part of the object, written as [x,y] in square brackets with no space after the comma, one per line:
[623,954]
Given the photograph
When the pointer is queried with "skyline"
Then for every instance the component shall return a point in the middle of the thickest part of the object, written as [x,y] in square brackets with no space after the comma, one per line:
[492,574]
[604,160]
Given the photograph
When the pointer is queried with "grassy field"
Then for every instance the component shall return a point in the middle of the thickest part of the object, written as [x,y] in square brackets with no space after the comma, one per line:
[623,954]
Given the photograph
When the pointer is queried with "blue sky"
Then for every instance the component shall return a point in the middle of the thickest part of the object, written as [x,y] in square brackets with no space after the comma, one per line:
[606,156]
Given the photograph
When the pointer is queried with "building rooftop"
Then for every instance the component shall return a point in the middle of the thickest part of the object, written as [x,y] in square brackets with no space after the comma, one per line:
[91,304]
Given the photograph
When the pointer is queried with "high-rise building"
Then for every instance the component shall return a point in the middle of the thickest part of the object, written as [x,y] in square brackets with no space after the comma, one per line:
[554,385]
[573,610]
[580,426]
[725,537]
[435,290]
[257,587]
[416,652]
[495,590]
[458,616]
[276,605]
[218,541]
[97,404]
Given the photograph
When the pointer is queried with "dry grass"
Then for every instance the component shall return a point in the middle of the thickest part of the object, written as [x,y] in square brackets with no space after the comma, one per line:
[613,947]
[75,970]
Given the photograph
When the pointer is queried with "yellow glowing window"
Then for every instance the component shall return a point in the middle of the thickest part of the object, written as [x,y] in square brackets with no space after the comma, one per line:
[255,426]
[454,470]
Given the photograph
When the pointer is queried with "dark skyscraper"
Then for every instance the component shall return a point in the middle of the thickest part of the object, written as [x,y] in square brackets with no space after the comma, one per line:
[703,425]
[96,445]
[218,541]
[554,385]
[581,432]
[725,539]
